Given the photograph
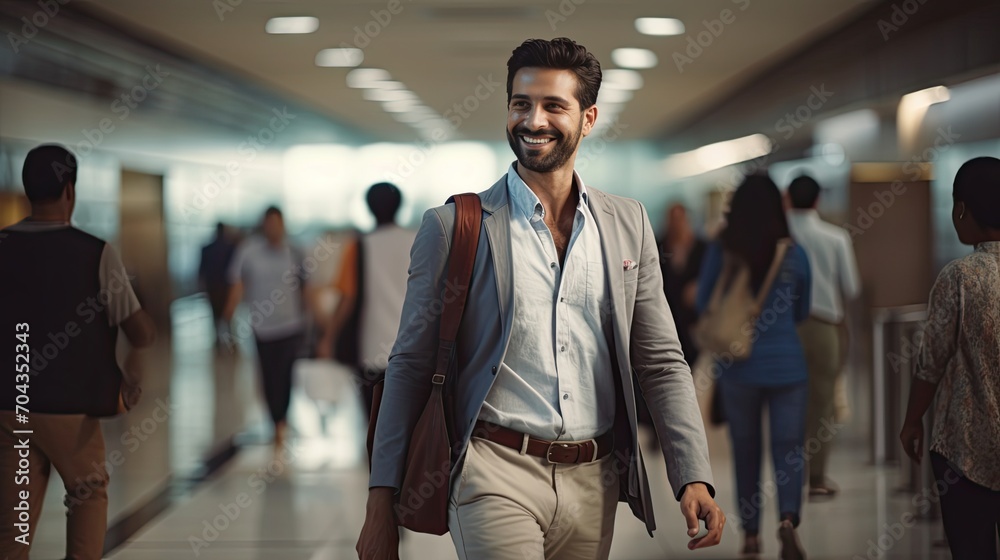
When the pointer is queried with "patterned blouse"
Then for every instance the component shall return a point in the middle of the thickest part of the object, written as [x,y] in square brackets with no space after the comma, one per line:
[960,352]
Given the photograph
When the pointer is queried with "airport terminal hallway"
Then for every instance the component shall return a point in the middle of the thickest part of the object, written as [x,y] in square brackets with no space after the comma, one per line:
[196,471]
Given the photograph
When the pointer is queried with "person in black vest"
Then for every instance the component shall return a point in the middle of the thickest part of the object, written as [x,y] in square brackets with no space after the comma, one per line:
[64,295]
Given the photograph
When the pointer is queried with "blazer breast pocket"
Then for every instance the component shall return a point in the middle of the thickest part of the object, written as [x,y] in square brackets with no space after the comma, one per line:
[631,275]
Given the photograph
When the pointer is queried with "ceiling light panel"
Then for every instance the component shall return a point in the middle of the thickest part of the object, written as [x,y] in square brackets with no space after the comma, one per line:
[634,58]
[340,57]
[659,26]
[291,25]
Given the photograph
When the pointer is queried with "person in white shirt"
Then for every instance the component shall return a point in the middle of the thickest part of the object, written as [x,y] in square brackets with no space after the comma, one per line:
[835,277]
[372,286]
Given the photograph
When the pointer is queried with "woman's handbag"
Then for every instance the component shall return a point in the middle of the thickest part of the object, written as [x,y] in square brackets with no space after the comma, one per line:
[726,327]
[423,495]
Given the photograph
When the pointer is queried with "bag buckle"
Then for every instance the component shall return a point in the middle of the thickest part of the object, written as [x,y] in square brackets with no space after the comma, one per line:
[438,379]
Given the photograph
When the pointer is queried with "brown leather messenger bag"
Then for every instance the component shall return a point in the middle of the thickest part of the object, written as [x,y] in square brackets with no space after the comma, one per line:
[423,496]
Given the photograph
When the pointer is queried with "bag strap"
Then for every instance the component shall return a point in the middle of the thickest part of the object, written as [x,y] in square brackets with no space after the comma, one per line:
[464,244]
[721,281]
[772,273]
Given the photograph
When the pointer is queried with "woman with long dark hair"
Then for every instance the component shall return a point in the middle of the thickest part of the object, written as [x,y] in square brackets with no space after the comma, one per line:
[774,374]
[959,362]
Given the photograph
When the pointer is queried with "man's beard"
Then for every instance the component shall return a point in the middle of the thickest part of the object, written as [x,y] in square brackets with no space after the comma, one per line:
[556,158]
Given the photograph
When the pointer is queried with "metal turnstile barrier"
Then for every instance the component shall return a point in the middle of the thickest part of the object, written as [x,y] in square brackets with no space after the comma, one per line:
[897,333]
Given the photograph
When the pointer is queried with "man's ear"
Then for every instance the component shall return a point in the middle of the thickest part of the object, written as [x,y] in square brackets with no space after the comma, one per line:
[69,193]
[589,118]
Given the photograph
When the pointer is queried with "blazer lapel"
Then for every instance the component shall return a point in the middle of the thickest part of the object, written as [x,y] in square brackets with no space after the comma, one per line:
[607,225]
[497,226]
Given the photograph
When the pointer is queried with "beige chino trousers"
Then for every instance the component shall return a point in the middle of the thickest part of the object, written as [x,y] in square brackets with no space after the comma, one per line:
[509,506]
[73,444]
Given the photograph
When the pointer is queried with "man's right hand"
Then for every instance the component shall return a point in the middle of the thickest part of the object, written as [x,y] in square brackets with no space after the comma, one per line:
[379,538]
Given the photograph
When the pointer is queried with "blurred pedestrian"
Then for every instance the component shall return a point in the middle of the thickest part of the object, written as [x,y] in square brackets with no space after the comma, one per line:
[834,279]
[266,274]
[65,295]
[774,375]
[372,286]
[681,254]
[215,260]
[959,362]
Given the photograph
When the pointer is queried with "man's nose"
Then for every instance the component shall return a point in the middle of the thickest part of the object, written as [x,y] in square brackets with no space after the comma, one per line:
[535,120]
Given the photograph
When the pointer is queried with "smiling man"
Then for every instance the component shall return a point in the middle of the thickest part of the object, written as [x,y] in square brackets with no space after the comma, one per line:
[550,346]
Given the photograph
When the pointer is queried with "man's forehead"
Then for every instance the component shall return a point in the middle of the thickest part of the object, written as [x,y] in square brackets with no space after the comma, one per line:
[536,76]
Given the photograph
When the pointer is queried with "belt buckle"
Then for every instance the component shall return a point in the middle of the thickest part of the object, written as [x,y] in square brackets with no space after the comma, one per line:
[566,445]
[562,444]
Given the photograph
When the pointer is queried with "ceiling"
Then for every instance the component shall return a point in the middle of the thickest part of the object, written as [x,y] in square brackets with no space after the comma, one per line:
[442,50]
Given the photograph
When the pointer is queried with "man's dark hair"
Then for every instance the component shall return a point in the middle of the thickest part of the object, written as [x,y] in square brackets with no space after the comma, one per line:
[977,184]
[803,192]
[47,170]
[272,211]
[561,54]
[384,200]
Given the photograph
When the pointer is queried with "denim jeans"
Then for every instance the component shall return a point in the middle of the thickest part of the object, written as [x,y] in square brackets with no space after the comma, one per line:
[744,408]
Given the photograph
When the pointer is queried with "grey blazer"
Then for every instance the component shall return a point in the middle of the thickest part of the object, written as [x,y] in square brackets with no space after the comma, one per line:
[644,343]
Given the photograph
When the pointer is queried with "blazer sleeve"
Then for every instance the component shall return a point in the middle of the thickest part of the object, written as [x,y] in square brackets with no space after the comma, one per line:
[664,375]
[411,362]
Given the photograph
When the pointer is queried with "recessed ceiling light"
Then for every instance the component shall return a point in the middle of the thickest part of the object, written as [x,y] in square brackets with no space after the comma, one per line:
[377,94]
[366,77]
[618,78]
[634,58]
[400,105]
[284,25]
[659,26]
[340,57]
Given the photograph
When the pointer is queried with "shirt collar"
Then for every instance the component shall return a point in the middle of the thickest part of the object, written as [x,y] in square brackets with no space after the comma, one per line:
[803,213]
[526,202]
[988,247]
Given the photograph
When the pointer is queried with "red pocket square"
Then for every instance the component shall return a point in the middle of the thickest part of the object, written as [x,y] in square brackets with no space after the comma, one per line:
[629,264]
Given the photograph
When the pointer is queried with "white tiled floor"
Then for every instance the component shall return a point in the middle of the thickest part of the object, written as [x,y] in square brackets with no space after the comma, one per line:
[310,505]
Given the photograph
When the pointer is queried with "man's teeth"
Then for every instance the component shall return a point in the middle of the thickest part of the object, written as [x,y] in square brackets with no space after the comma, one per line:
[536,140]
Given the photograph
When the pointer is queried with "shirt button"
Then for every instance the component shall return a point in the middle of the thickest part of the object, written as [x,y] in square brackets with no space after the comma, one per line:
[552,265]
[562,299]
[565,396]
[562,348]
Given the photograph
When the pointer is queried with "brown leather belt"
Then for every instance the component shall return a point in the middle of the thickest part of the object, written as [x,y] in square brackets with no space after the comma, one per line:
[572,452]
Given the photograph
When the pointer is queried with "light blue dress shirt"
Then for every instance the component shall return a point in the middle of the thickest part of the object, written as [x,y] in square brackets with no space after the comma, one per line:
[556,380]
